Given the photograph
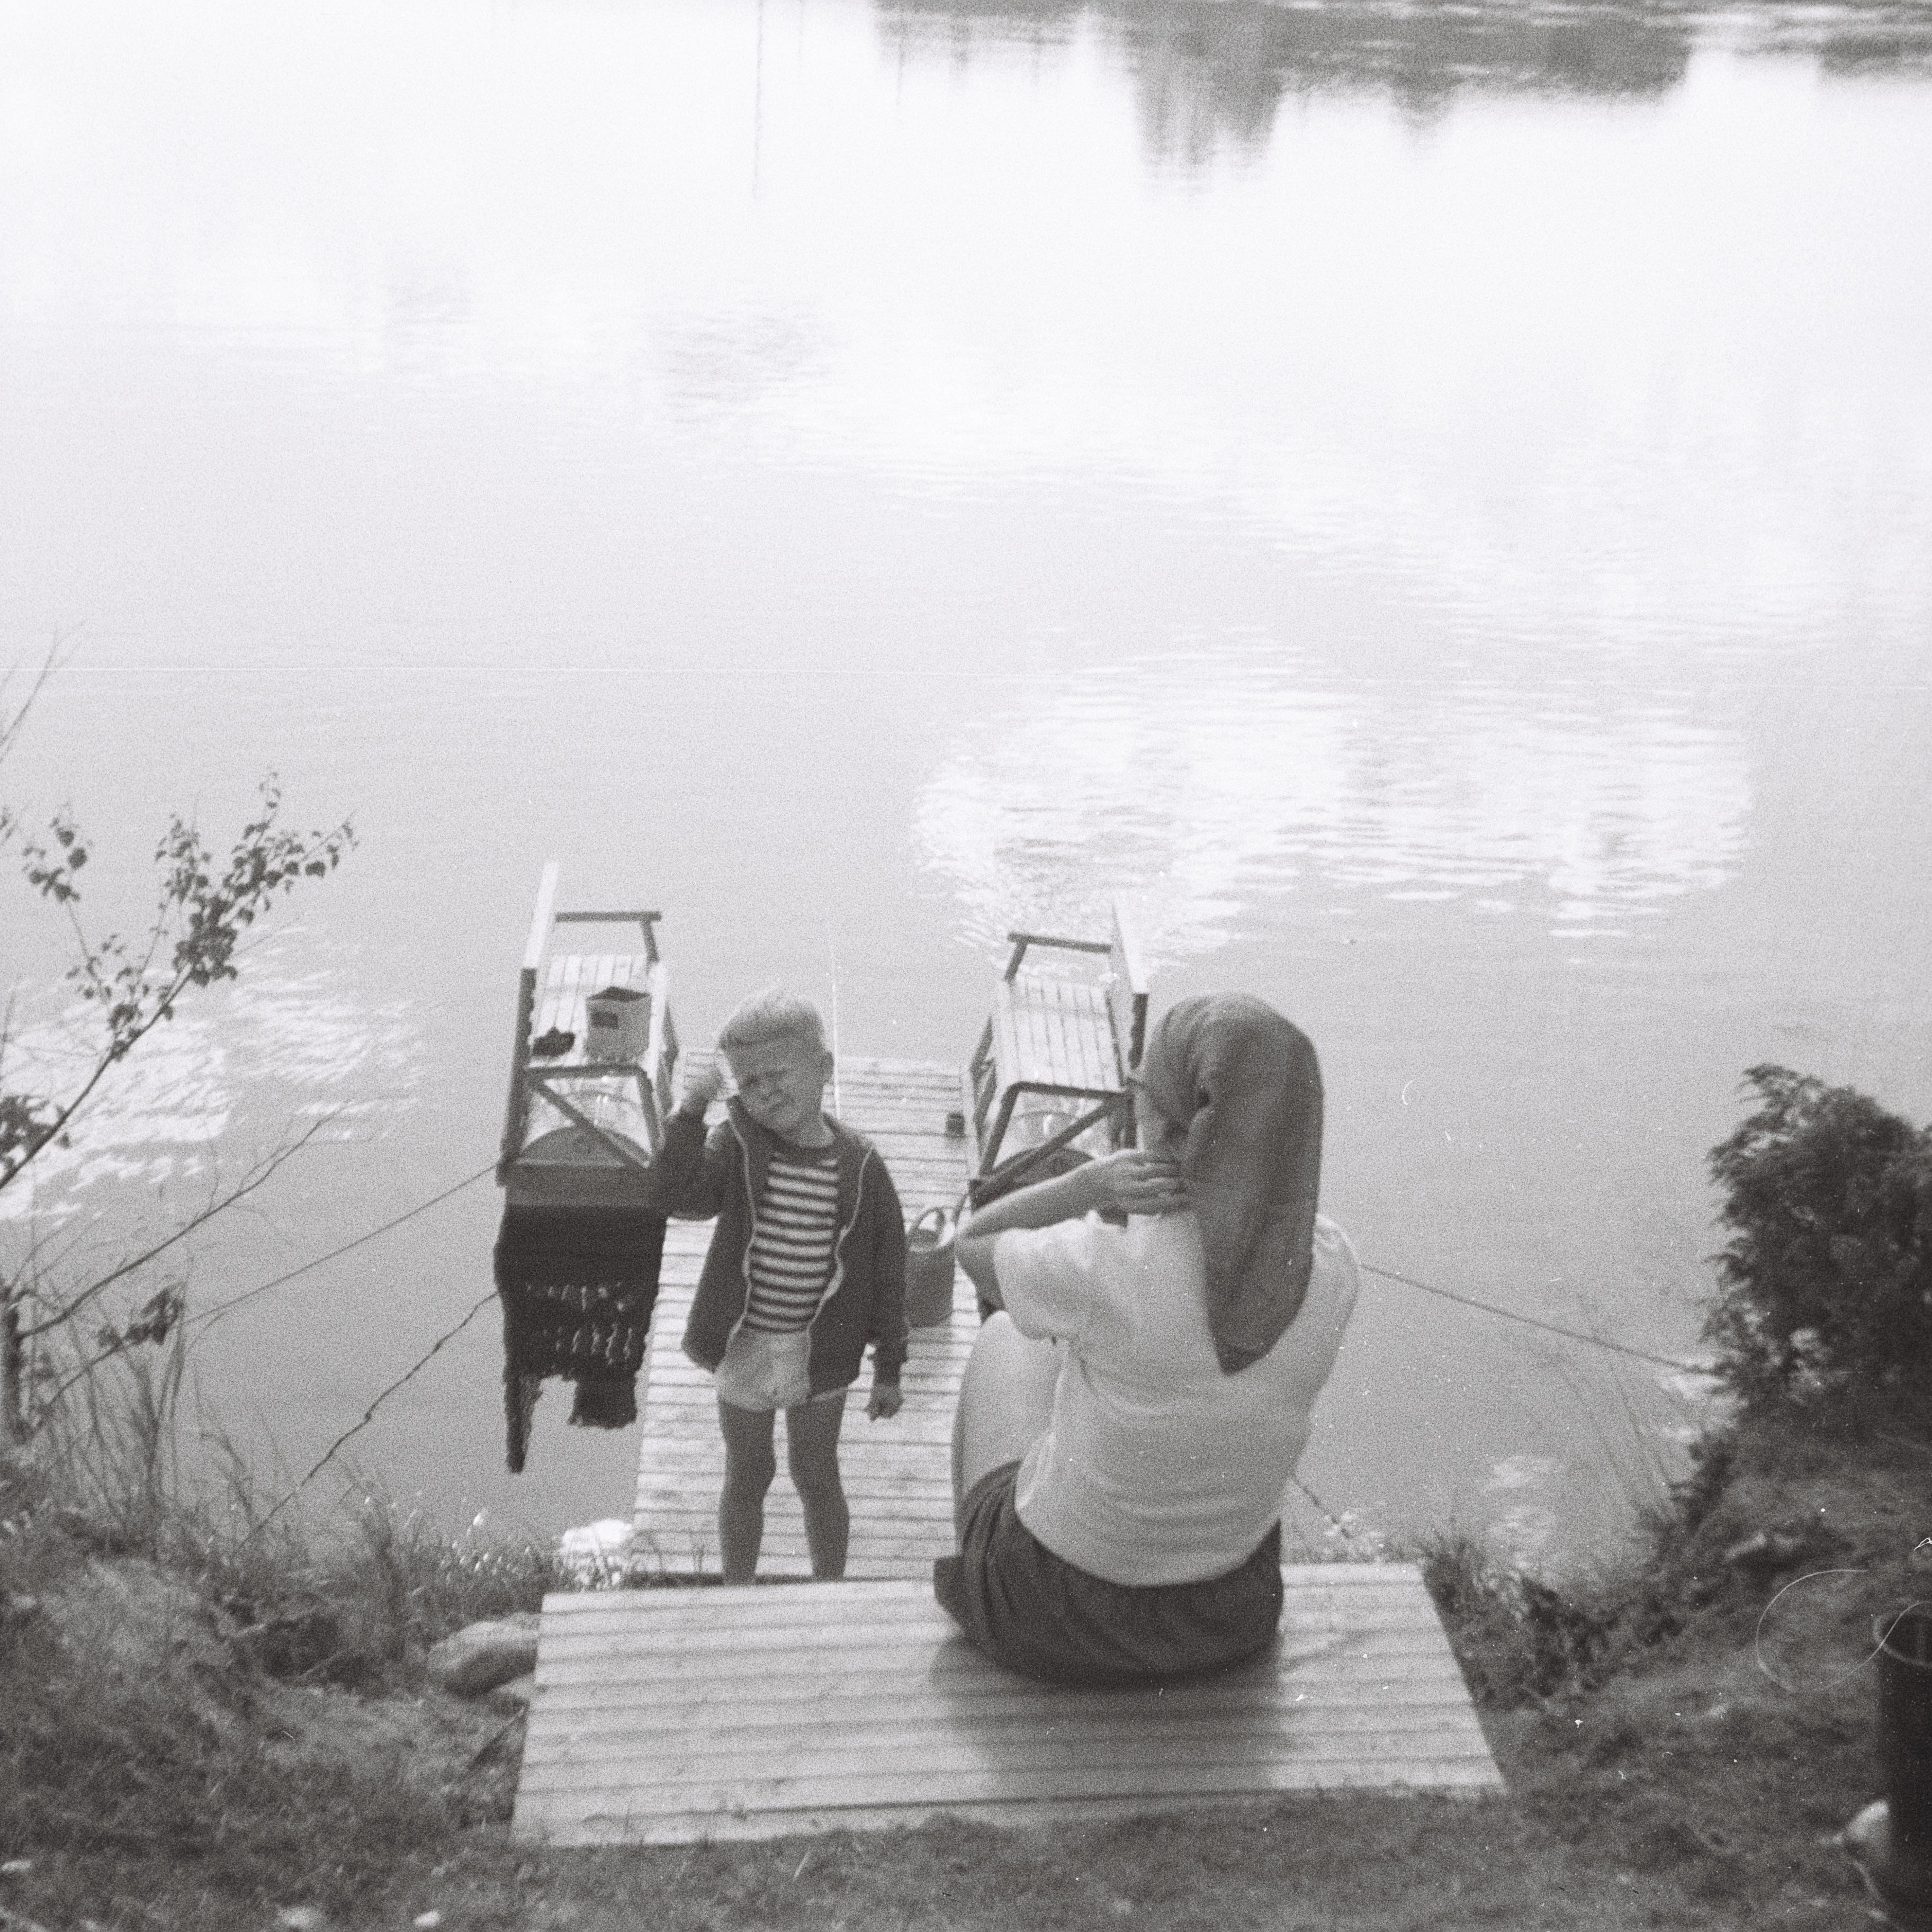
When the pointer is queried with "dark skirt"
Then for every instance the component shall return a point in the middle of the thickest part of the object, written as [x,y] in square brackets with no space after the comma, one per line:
[1035,1613]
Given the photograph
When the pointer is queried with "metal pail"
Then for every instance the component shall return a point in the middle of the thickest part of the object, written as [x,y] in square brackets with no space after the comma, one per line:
[929,1296]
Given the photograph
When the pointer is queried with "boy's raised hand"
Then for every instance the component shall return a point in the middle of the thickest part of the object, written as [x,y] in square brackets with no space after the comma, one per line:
[884,1402]
[703,1086]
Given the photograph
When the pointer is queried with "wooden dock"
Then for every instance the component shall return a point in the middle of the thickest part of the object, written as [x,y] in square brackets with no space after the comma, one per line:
[668,1715]
[662,1716]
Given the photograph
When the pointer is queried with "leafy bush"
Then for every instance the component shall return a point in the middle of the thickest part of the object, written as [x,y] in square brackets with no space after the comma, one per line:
[1520,1641]
[1824,1299]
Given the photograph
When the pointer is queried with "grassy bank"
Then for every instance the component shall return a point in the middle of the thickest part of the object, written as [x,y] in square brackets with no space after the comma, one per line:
[210,1720]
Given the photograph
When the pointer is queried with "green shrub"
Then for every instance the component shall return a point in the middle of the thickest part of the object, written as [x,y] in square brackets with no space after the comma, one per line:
[1519,1640]
[1825,1297]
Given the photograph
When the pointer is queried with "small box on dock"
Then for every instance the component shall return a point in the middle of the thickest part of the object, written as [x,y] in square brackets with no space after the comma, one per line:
[617,1024]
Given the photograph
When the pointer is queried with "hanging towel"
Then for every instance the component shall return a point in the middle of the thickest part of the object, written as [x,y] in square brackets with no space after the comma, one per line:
[577,1285]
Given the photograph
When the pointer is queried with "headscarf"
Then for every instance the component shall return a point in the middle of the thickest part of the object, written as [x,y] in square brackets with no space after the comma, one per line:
[1241,1089]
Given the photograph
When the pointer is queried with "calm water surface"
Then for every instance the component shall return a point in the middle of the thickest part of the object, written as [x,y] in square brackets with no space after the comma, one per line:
[1435,504]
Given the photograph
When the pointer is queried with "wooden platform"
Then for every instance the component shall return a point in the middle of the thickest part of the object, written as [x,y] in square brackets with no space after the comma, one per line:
[896,1473]
[666,1716]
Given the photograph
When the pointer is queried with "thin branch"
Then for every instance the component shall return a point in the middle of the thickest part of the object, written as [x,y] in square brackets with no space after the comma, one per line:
[212,1316]
[236,900]
[369,1414]
[117,1347]
[257,1176]
[119,1047]
[10,727]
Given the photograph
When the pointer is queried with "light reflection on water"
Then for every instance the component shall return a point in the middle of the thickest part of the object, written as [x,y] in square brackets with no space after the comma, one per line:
[1202,783]
[1429,500]
[292,1039]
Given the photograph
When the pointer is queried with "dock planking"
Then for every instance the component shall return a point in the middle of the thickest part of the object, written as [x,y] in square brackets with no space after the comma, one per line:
[581,1124]
[671,1715]
[665,1717]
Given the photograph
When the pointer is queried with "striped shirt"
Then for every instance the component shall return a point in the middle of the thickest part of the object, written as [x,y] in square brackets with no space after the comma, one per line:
[792,1241]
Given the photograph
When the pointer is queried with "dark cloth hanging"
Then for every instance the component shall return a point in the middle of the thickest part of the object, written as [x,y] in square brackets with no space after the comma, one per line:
[577,1285]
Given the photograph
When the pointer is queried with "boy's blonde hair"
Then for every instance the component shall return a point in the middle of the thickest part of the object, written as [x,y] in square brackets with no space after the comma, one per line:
[773,1014]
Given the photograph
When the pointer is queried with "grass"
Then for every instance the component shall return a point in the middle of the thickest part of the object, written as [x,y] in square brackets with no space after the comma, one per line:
[1676,1757]
[180,1666]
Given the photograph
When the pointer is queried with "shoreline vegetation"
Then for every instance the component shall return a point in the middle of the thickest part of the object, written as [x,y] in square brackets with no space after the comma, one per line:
[217,1714]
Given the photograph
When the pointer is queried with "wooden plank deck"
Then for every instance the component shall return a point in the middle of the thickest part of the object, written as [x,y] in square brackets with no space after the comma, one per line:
[568,981]
[1058,1033]
[665,1716]
[896,1473]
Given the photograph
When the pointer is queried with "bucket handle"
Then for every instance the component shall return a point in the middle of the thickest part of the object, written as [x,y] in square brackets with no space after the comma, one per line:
[938,1216]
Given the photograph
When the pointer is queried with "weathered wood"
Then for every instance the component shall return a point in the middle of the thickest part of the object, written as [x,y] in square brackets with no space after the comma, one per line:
[1328,1599]
[1056,1038]
[540,920]
[1021,941]
[598,1697]
[661,1716]
[667,1715]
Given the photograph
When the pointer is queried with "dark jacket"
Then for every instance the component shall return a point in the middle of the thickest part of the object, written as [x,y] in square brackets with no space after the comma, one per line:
[724,1173]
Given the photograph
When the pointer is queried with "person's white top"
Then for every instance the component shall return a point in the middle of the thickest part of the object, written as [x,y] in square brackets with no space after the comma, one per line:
[1156,1467]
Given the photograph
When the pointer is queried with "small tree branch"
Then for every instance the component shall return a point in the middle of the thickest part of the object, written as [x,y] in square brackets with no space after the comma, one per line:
[10,727]
[409,1374]
[257,1176]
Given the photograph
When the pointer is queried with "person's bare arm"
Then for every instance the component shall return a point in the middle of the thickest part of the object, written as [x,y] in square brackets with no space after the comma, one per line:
[1130,1182]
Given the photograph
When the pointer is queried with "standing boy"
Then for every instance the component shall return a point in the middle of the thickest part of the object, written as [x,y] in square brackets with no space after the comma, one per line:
[806,1266]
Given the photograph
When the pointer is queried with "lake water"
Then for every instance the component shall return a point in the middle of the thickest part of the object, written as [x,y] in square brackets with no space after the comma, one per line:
[1436,503]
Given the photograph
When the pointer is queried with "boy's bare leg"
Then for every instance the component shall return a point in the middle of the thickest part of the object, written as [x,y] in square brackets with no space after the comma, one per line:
[812,1454]
[749,1467]
[1006,1400]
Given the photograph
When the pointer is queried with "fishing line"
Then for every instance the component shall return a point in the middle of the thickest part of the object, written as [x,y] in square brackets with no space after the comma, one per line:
[421,1362]
[831,948]
[1757,1635]
[214,1315]
[1530,1321]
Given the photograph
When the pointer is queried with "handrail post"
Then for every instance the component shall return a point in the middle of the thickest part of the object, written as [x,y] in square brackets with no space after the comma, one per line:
[517,1109]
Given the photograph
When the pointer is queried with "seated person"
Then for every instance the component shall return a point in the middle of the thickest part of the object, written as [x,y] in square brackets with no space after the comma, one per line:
[1127,1425]
[806,1268]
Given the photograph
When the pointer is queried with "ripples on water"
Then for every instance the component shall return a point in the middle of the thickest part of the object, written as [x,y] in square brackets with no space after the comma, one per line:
[292,1040]
[1206,781]
[1402,492]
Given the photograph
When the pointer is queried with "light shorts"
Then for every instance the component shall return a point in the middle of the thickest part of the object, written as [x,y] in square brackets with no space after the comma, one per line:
[763,1370]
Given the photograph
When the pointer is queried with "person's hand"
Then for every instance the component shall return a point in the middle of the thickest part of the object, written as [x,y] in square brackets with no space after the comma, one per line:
[1136,1182]
[703,1086]
[885,1402]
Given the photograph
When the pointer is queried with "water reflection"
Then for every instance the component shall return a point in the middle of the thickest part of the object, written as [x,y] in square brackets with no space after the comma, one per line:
[1225,776]
[288,1045]
[1211,75]
[1877,52]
